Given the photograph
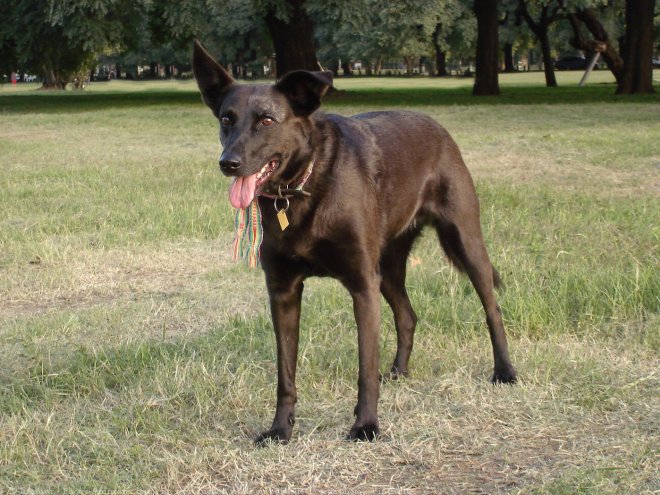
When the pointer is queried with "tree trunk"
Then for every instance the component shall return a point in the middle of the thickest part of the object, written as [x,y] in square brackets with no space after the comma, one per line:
[293,40]
[548,64]
[51,80]
[610,55]
[441,64]
[409,65]
[153,70]
[508,58]
[440,54]
[486,77]
[378,66]
[346,67]
[540,30]
[637,77]
[334,67]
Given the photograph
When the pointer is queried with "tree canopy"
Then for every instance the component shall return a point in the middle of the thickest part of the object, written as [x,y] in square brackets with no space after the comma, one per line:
[61,40]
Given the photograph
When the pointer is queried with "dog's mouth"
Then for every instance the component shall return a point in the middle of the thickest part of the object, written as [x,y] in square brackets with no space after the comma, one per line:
[244,189]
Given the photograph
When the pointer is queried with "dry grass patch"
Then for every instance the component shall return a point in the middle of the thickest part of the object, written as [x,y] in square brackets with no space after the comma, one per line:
[76,280]
[443,432]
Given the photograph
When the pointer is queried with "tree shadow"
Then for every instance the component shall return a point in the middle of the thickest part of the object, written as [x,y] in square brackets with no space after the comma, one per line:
[68,102]
[511,95]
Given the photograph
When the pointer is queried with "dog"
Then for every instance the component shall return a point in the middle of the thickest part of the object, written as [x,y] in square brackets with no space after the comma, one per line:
[345,197]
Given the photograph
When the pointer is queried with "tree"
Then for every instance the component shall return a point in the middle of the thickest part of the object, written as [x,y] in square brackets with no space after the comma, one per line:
[487,66]
[631,65]
[440,51]
[637,74]
[375,30]
[461,37]
[292,31]
[448,16]
[233,29]
[589,17]
[548,11]
[8,55]
[507,35]
[61,40]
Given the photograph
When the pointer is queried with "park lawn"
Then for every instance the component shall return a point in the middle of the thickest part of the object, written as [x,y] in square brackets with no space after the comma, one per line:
[137,356]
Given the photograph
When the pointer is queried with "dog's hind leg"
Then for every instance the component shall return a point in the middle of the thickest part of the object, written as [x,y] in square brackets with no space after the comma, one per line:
[460,234]
[392,286]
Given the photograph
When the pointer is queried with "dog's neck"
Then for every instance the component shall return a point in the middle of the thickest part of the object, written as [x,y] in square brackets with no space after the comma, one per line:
[293,188]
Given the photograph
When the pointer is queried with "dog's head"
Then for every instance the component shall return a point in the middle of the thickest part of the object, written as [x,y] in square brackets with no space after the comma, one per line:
[264,129]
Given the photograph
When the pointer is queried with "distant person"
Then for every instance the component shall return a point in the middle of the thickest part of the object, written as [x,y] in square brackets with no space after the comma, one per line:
[13,78]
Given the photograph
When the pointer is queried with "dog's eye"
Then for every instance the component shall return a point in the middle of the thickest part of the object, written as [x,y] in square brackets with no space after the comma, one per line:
[266,121]
[226,121]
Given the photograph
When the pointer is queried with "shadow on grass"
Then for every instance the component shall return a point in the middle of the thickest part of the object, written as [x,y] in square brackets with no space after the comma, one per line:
[511,95]
[56,102]
[70,374]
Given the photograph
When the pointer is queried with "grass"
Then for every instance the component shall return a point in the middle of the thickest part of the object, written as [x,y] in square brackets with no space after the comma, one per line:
[137,357]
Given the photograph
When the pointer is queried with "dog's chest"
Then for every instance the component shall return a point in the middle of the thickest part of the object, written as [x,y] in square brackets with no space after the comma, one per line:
[288,237]
[323,247]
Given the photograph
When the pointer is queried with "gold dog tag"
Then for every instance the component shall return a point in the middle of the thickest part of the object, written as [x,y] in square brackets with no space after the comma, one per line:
[284,221]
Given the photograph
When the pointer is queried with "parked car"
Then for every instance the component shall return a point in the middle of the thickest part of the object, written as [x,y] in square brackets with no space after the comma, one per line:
[571,63]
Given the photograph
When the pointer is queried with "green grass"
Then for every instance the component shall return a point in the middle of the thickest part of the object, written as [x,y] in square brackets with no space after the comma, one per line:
[136,356]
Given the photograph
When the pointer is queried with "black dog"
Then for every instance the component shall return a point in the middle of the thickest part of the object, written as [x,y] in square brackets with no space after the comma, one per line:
[371,183]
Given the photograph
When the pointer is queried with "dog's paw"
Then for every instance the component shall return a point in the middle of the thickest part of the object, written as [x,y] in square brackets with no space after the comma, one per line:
[364,433]
[505,375]
[394,374]
[273,436]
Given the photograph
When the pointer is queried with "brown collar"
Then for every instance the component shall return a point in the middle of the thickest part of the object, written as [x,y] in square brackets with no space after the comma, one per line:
[279,191]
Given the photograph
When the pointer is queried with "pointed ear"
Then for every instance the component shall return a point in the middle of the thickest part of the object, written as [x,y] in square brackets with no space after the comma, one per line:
[213,80]
[304,89]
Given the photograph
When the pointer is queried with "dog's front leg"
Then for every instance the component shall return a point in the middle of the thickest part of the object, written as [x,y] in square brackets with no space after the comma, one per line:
[285,298]
[366,305]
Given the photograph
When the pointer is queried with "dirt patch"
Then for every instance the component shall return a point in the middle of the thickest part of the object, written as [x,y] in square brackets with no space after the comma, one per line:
[94,277]
[565,173]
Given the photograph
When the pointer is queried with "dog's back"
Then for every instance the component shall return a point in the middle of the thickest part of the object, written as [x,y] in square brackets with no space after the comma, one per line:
[409,164]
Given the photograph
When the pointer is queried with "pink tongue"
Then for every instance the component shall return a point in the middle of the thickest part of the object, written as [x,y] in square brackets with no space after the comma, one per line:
[241,192]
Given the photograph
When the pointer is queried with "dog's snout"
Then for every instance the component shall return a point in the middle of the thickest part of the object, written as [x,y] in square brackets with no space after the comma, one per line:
[229,162]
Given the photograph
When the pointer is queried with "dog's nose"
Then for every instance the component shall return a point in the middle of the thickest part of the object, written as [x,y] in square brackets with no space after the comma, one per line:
[229,165]
[230,161]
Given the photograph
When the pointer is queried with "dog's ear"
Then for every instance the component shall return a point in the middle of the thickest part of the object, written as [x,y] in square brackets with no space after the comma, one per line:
[213,80]
[304,89]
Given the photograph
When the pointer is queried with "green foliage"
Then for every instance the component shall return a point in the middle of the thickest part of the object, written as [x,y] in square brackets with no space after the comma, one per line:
[461,34]
[8,54]
[233,30]
[60,39]
[368,30]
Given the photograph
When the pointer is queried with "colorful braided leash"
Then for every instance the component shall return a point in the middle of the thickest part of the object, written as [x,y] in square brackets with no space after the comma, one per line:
[249,234]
